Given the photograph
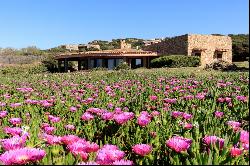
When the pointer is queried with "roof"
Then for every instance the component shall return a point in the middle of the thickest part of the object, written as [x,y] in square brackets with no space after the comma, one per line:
[108,53]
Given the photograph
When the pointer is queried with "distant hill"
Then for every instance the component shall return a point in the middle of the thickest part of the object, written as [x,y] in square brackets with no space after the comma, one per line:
[32,53]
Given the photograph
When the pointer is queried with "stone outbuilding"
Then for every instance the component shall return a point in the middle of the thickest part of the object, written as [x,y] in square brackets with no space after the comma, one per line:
[210,48]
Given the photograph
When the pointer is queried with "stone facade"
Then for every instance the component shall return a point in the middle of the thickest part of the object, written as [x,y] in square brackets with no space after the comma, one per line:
[70,47]
[124,45]
[209,47]
[174,46]
[97,46]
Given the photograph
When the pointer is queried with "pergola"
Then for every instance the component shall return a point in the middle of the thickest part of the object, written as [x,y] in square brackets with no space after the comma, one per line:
[126,54]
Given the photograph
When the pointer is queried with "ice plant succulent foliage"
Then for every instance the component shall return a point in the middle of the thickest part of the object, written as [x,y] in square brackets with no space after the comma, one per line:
[137,117]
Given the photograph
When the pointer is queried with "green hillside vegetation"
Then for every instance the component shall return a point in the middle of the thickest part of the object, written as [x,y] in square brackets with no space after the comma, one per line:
[240,47]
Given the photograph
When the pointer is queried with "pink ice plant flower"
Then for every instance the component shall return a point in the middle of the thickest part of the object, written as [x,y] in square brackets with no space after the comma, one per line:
[142,149]
[3,114]
[186,116]
[22,156]
[218,114]
[15,121]
[241,98]
[73,109]
[69,139]
[123,117]
[155,113]
[107,115]
[177,114]
[54,119]
[144,119]
[208,140]
[49,129]
[88,163]
[123,162]
[235,125]
[82,146]
[87,116]
[234,152]
[15,142]
[51,139]
[244,138]
[109,154]
[179,144]
[70,127]
[14,131]
[153,98]
[14,105]
[188,126]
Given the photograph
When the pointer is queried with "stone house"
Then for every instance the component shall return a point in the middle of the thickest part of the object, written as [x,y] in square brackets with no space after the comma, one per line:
[70,47]
[210,48]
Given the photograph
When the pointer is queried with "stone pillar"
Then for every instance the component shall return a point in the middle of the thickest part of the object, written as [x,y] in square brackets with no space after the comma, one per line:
[88,66]
[79,65]
[66,65]
[148,60]
[59,65]
[129,62]
[144,62]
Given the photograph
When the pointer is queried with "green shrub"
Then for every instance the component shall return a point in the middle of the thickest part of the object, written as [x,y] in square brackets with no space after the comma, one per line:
[99,69]
[52,65]
[23,69]
[122,66]
[175,61]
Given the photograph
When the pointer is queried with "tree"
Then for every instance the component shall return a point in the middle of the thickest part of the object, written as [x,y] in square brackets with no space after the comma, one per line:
[240,46]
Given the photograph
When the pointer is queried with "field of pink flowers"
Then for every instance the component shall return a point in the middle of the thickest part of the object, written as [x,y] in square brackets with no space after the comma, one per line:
[125,118]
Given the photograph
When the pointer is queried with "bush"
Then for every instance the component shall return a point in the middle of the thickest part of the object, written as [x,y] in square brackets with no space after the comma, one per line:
[23,69]
[52,65]
[175,61]
[221,65]
[122,66]
[99,69]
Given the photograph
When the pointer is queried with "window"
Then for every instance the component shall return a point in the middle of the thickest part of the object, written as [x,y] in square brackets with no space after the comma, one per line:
[219,55]
[118,61]
[99,63]
[92,63]
[111,64]
[197,54]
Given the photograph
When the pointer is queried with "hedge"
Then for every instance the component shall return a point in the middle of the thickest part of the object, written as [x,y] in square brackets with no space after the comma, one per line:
[175,61]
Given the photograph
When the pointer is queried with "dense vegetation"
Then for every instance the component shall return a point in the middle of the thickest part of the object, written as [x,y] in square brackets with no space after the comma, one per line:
[158,116]
[240,47]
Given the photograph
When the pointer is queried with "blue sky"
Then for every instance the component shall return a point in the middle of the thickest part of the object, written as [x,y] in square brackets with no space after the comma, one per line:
[49,23]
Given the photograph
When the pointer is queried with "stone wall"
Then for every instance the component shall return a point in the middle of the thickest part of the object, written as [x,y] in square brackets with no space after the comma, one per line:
[210,43]
[173,46]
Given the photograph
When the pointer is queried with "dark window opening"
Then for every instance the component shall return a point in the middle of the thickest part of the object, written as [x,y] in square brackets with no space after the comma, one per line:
[197,54]
[219,56]
[136,63]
